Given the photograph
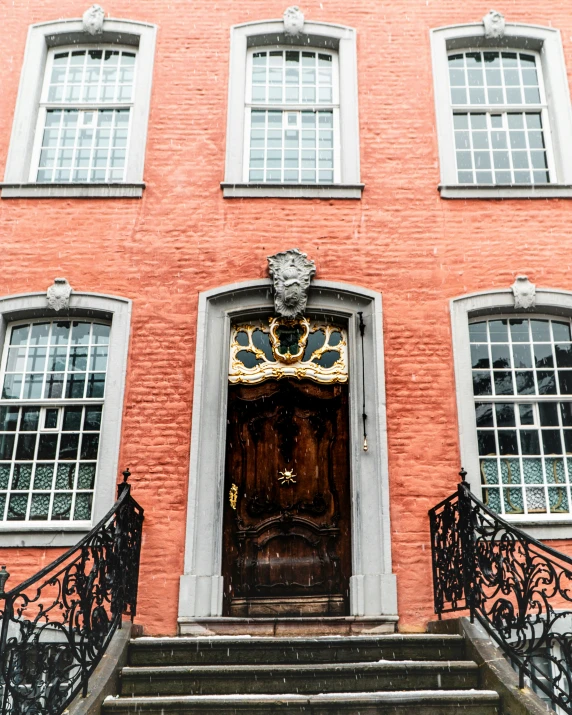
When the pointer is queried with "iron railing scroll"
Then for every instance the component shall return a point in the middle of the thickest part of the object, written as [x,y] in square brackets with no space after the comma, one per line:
[518,588]
[56,625]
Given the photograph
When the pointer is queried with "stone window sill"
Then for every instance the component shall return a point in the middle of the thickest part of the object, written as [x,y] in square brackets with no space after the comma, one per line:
[46,536]
[81,191]
[503,191]
[292,191]
[545,529]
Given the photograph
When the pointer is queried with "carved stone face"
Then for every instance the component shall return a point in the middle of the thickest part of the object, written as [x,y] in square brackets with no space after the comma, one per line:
[494,24]
[58,294]
[524,293]
[93,20]
[293,20]
[291,272]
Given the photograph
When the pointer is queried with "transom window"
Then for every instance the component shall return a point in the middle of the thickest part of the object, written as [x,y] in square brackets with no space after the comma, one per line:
[292,108]
[84,118]
[522,385]
[54,360]
[53,378]
[500,118]
[274,349]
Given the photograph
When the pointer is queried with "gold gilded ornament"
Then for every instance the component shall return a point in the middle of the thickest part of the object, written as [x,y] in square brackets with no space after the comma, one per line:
[275,349]
[233,496]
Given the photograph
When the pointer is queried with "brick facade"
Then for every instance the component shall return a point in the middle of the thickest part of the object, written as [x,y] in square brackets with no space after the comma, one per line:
[182,237]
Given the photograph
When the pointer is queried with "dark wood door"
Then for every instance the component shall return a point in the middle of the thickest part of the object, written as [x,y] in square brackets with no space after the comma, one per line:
[286,545]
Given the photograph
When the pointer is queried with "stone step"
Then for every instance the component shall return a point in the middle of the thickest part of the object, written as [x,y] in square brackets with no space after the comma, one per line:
[302,678]
[245,650]
[428,702]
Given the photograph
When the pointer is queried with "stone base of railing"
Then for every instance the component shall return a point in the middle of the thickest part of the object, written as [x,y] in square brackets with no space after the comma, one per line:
[495,672]
[105,678]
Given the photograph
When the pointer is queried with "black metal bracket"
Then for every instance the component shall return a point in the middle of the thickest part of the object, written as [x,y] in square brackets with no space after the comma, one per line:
[363,412]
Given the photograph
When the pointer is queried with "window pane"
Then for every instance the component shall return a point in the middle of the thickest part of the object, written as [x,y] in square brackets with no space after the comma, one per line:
[17,507]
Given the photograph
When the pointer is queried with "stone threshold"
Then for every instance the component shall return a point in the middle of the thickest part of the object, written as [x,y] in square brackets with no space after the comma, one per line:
[280,627]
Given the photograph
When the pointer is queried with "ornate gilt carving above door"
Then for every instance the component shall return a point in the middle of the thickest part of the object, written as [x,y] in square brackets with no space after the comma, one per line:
[281,347]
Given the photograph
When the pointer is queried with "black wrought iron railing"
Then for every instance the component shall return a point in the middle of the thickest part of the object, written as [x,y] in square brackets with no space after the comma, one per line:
[518,588]
[56,625]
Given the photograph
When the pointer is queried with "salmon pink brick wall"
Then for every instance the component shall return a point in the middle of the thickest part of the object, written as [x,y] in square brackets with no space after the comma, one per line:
[182,237]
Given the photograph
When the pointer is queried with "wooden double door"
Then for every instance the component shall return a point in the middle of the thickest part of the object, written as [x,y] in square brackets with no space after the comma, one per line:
[286,542]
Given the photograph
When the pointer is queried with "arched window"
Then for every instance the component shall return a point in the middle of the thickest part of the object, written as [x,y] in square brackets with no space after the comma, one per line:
[502,106]
[85,115]
[80,122]
[61,400]
[500,118]
[522,385]
[514,398]
[292,116]
[292,128]
[53,389]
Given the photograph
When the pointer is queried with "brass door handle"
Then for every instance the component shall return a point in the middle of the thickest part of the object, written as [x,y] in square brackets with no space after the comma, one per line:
[233,496]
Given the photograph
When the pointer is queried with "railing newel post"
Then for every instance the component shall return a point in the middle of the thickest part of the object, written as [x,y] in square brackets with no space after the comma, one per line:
[467,542]
[7,616]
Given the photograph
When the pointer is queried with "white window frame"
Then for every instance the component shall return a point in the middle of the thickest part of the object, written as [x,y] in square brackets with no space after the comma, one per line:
[546,42]
[269,34]
[90,306]
[333,106]
[45,104]
[19,177]
[490,305]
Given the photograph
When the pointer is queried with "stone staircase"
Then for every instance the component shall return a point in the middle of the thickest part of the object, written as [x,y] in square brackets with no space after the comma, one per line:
[361,675]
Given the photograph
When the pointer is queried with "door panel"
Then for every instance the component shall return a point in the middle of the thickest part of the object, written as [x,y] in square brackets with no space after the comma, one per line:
[287,543]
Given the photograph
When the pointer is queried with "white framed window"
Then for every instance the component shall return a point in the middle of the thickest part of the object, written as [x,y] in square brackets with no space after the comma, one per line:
[522,387]
[514,400]
[292,127]
[82,133]
[53,389]
[503,112]
[61,400]
[81,116]
[292,116]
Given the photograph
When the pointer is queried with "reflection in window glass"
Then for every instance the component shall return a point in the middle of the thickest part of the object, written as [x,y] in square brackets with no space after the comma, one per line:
[49,451]
[524,443]
[48,475]
[59,367]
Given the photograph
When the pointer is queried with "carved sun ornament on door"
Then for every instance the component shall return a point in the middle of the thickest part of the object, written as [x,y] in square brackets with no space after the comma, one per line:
[282,347]
[287,477]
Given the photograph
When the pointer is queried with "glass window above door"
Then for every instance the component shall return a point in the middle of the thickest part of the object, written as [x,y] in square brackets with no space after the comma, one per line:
[288,348]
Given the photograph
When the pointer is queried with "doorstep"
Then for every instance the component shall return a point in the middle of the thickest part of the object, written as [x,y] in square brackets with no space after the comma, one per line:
[276,627]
